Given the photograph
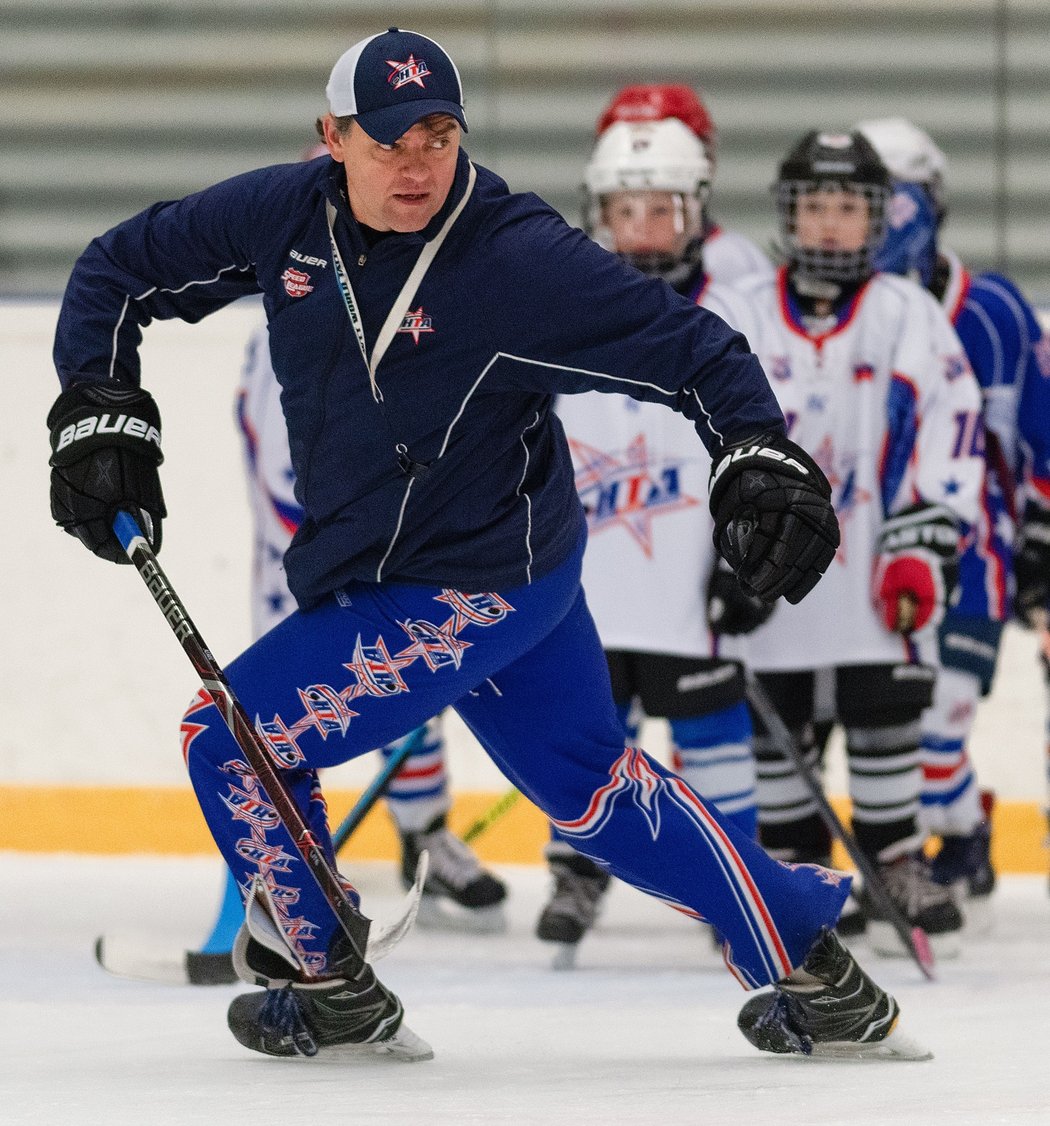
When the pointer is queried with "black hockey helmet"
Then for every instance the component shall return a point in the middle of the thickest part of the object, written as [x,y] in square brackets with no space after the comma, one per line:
[840,162]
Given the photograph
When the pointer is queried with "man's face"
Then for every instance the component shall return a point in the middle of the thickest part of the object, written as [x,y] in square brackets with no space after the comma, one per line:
[398,187]
[831,219]
[649,222]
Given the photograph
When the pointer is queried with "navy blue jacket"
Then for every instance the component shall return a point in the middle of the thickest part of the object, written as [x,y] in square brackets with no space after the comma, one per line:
[455,471]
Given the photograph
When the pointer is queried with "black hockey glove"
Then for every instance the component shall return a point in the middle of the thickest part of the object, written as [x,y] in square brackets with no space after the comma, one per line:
[731,609]
[105,449]
[774,524]
[1032,563]
[917,567]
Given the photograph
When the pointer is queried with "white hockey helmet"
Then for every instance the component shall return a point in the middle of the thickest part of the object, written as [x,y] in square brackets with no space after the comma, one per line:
[910,155]
[646,157]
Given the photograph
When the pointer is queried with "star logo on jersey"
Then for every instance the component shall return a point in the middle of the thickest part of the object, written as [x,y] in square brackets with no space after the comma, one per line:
[415,323]
[850,496]
[846,494]
[780,368]
[412,71]
[628,489]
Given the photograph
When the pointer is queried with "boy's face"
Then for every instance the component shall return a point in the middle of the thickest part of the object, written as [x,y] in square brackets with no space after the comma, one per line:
[831,219]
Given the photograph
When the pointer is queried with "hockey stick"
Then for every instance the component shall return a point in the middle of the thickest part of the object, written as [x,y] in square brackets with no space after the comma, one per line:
[378,786]
[127,955]
[914,938]
[492,814]
[353,923]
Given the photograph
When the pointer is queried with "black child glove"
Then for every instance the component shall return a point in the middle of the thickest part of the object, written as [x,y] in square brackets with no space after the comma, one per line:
[105,449]
[731,608]
[774,524]
[1032,564]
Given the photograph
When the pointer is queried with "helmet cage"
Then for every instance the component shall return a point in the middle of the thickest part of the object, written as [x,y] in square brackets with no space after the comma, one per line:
[641,159]
[688,224]
[838,267]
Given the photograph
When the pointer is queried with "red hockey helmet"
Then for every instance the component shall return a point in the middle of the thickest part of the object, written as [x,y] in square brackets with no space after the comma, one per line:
[656,101]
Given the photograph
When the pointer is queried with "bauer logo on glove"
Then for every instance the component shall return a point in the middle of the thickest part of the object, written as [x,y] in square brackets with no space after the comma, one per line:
[774,523]
[104,426]
[917,567]
[105,450]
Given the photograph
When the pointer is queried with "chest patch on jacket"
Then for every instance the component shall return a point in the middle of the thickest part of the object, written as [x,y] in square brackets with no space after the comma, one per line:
[295,282]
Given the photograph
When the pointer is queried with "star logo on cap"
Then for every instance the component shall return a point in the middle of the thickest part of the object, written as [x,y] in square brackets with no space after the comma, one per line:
[401,74]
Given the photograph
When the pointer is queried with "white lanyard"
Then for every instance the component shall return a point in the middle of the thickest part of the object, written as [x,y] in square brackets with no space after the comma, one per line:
[408,291]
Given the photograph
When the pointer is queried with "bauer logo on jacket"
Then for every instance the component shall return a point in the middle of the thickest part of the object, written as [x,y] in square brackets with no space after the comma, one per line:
[295,282]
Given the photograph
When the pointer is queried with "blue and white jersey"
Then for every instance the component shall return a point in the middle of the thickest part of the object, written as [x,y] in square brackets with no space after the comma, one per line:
[271,483]
[643,479]
[1011,358]
[877,395]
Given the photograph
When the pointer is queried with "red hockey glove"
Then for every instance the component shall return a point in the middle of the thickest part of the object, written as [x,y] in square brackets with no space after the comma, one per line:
[917,567]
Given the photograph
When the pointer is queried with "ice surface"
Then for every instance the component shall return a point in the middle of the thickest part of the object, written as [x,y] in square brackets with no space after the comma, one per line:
[642,1032]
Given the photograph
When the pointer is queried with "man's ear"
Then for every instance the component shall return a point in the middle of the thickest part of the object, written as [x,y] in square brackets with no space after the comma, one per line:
[335,140]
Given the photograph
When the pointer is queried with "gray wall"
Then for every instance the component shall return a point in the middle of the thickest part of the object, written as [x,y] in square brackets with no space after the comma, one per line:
[108,105]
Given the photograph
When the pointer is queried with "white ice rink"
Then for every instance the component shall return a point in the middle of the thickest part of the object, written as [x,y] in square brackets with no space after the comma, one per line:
[642,1032]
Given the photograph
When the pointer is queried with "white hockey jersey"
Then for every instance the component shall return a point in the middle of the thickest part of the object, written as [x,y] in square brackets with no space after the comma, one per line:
[642,474]
[271,483]
[730,256]
[885,401]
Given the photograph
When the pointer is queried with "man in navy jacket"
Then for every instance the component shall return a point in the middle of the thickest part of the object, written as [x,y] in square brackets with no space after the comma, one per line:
[421,320]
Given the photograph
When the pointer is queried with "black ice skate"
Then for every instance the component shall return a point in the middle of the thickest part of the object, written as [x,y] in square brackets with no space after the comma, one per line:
[347,1013]
[922,902]
[964,863]
[829,1008]
[579,885]
[459,893]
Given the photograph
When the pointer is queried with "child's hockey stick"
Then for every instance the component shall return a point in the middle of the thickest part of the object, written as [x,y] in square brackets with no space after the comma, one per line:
[493,813]
[914,938]
[376,789]
[214,680]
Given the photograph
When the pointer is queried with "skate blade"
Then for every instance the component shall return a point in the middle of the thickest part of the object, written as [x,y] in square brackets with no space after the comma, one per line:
[564,957]
[404,1046]
[978,916]
[896,1046]
[437,912]
[885,942]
